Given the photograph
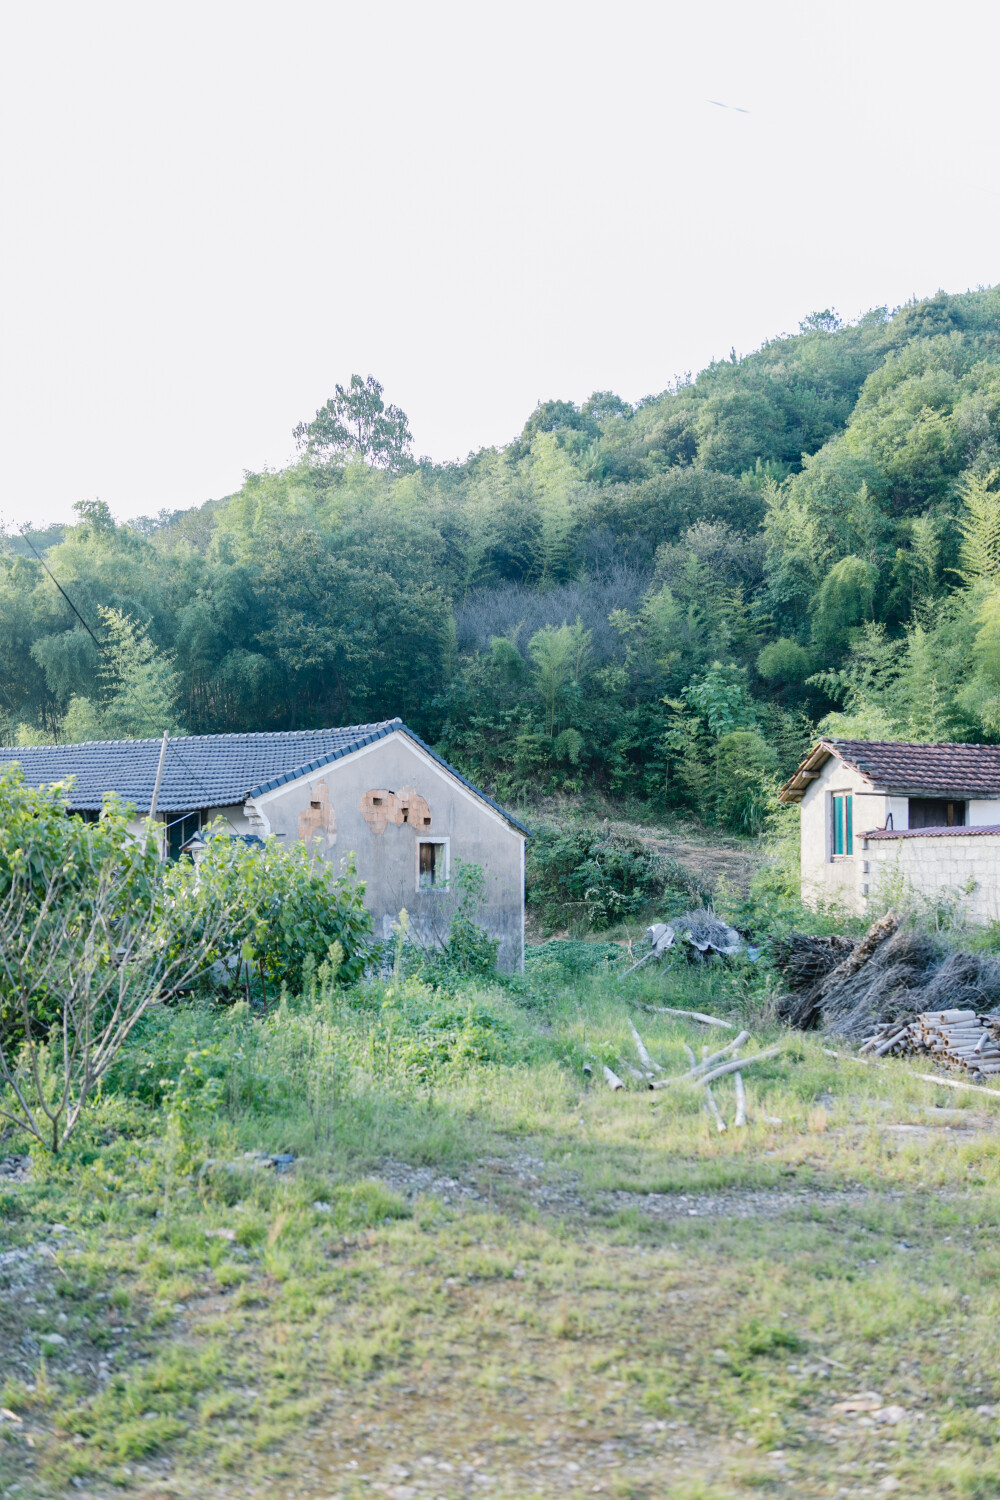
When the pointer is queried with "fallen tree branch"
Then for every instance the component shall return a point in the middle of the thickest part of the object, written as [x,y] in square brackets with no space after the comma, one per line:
[633,1072]
[741,1062]
[708,1062]
[644,960]
[692,1015]
[611,1079]
[952,1083]
[645,1060]
[741,1102]
[730,1067]
[713,1110]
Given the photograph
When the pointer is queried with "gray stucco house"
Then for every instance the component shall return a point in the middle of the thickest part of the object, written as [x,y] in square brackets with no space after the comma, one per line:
[375,791]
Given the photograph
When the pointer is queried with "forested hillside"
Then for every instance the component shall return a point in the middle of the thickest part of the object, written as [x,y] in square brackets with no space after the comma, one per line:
[658,602]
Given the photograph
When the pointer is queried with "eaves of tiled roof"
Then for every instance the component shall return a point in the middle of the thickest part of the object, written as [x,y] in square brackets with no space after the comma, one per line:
[905,768]
[208,770]
[965,831]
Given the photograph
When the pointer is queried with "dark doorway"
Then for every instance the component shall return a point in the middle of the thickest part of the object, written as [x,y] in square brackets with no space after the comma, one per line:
[936,812]
[180,828]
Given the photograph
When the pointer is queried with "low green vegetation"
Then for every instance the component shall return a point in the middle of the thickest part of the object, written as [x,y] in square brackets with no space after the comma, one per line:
[588,879]
[482,1261]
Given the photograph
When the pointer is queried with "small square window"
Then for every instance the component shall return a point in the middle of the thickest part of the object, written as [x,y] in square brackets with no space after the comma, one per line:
[376,802]
[432,865]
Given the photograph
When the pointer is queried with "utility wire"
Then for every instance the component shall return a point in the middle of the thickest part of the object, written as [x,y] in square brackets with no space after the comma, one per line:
[27,537]
[25,532]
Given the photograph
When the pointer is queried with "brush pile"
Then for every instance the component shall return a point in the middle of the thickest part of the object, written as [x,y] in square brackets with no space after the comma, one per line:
[893,975]
[957,1038]
[699,934]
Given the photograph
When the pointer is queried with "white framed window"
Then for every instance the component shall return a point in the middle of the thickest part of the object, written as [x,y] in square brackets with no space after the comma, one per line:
[433,864]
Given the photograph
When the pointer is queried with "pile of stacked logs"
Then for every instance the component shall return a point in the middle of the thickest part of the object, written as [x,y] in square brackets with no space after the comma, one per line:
[957,1038]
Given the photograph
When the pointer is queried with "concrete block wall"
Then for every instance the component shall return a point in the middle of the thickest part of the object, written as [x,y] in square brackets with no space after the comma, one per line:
[962,865]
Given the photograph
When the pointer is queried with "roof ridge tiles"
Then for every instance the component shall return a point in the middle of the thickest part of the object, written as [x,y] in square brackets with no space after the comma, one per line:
[911,744]
[244,766]
[228,736]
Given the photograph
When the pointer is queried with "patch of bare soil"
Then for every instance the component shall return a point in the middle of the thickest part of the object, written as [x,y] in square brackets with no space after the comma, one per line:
[501,1181]
[705,857]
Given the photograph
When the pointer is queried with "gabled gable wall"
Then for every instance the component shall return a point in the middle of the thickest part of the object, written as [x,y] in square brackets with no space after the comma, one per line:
[825,878]
[385,849]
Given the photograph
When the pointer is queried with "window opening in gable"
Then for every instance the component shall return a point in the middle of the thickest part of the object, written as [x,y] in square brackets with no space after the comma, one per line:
[432,865]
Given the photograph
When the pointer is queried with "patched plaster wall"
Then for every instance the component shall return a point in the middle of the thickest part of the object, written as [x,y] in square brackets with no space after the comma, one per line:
[383,836]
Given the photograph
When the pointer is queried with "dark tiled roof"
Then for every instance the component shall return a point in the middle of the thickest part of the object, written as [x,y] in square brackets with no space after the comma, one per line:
[207,770]
[932,833]
[930,770]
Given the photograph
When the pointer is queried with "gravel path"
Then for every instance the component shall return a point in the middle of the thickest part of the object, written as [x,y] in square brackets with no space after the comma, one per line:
[555,1193]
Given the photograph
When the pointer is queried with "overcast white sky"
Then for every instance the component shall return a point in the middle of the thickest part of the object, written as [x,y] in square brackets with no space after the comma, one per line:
[212,212]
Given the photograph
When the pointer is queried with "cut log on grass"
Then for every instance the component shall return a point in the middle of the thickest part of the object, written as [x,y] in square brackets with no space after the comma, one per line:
[643,1078]
[691,1015]
[645,1060]
[720,1072]
[611,1079]
[741,1102]
[953,1083]
[709,1062]
[713,1110]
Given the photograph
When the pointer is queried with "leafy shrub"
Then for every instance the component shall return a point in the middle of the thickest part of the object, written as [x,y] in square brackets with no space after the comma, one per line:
[470,948]
[83,866]
[784,661]
[589,880]
[745,769]
[287,910]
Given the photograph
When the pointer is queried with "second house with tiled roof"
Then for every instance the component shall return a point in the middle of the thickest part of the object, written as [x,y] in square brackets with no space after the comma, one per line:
[372,791]
[881,820]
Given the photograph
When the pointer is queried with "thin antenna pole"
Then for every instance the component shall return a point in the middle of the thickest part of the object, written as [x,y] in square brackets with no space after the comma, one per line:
[159,776]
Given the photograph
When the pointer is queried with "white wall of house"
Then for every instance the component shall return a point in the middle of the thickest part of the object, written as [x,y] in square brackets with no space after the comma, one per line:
[235,820]
[960,864]
[829,877]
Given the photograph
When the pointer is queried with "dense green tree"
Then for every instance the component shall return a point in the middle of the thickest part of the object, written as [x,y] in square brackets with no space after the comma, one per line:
[807,534]
[356,423]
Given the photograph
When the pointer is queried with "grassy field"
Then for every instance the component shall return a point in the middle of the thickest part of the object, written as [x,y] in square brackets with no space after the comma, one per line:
[486,1274]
